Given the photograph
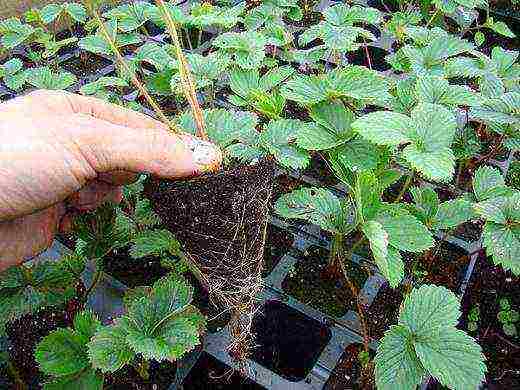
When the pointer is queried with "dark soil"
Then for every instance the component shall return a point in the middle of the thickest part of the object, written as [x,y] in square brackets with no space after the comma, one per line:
[84,65]
[392,192]
[161,377]
[513,175]
[444,265]
[310,284]
[26,332]
[278,242]
[346,374]
[376,55]
[288,342]
[219,218]
[211,374]
[383,311]
[294,111]
[320,170]
[488,285]
[133,272]
[469,231]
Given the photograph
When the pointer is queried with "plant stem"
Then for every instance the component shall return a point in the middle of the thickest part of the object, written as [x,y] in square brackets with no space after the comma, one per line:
[188,84]
[132,75]
[435,14]
[93,285]
[355,293]
[199,38]
[405,187]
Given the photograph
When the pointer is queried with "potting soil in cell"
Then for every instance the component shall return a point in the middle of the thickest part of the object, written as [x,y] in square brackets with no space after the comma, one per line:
[288,342]
[210,373]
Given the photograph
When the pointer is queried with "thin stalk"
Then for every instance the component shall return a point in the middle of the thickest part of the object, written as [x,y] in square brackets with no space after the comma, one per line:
[435,14]
[355,293]
[144,30]
[187,82]
[199,37]
[142,90]
[188,38]
[367,54]
[405,188]
[93,285]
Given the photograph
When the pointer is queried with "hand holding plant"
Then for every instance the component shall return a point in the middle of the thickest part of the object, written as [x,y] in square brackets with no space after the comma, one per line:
[63,153]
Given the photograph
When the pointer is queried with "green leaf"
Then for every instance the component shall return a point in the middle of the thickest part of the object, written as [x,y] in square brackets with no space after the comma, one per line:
[384,127]
[429,310]
[396,364]
[61,353]
[14,32]
[488,183]
[247,47]
[50,12]
[101,83]
[279,138]
[274,77]
[86,380]
[85,325]
[76,11]
[44,78]
[367,194]
[224,126]
[154,54]
[438,166]
[479,38]
[453,358]
[129,16]
[358,155]
[502,242]
[306,90]
[332,127]
[500,28]
[426,203]
[316,205]
[164,325]
[388,259]
[452,213]
[108,350]
[155,243]
[405,231]
[95,44]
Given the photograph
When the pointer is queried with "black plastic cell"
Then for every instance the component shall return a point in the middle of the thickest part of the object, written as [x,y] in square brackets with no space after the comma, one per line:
[210,373]
[288,342]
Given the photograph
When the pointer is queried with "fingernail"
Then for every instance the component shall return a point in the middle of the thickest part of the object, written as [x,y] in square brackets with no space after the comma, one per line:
[206,155]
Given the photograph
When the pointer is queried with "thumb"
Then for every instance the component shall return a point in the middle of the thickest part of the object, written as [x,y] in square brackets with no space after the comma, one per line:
[108,147]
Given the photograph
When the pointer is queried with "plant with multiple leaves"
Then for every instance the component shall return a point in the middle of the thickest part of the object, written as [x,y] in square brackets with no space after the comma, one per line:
[26,289]
[260,92]
[12,74]
[247,48]
[426,342]
[160,323]
[508,317]
[389,228]
[338,31]
[498,205]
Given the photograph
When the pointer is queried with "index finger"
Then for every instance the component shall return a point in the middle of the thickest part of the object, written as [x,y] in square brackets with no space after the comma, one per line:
[97,108]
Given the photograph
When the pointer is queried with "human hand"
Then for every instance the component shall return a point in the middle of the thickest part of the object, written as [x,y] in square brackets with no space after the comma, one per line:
[60,150]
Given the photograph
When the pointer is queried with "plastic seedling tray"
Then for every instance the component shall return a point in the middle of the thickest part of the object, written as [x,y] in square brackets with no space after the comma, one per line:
[287,342]
[316,377]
